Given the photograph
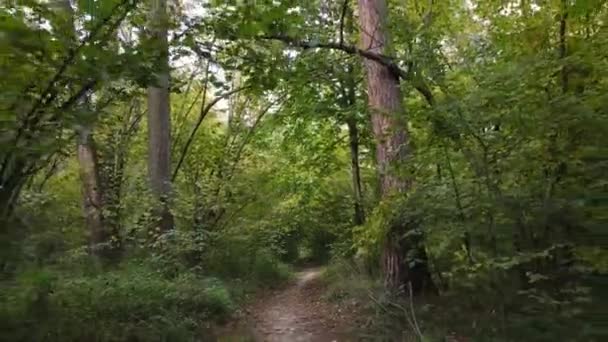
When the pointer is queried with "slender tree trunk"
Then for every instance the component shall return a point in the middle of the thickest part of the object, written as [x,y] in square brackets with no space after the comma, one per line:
[392,149]
[159,121]
[91,192]
[353,140]
[353,136]
[348,92]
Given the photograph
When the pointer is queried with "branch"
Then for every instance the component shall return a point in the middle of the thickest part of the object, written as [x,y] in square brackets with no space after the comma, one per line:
[135,122]
[417,81]
[186,114]
[239,152]
[204,111]
[387,61]
[77,96]
[344,9]
[50,92]
[425,91]
[248,136]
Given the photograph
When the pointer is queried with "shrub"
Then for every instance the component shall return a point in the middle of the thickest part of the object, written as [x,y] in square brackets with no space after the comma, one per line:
[268,269]
[348,280]
[133,303]
[241,258]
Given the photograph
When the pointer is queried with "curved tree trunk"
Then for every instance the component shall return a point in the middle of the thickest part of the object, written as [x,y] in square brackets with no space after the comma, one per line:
[392,149]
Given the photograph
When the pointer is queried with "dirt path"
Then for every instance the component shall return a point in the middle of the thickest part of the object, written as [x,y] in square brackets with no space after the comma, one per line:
[297,313]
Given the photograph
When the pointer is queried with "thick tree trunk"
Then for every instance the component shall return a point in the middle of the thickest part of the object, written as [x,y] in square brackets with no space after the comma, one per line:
[392,149]
[159,120]
[91,193]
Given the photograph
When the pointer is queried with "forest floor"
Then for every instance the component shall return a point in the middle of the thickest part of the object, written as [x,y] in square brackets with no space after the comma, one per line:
[295,313]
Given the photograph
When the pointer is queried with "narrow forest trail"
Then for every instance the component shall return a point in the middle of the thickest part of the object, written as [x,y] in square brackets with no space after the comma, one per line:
[296,313]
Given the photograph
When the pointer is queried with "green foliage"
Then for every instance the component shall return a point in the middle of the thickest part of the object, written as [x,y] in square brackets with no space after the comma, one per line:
[268,269]
[348,280]
[238,258]
[507,171]
[133,303]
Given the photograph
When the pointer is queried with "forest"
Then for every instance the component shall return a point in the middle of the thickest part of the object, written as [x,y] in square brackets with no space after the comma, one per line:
[303,170]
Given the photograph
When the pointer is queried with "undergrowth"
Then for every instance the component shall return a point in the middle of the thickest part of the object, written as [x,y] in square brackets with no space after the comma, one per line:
[77,300]
[458,314]
[132,303]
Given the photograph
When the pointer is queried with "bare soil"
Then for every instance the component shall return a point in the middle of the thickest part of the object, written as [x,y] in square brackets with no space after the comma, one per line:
[296,313]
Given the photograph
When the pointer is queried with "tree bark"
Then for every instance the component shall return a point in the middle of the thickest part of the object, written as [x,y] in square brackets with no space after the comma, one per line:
[91,193]
[159,120]
[403,259]
[353,136]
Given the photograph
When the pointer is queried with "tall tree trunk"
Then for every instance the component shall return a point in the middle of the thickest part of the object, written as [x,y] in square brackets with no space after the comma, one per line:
[392,149]
[98,235]
[349,96]
[91,192]
[353,140]
[159,121]
[353,137]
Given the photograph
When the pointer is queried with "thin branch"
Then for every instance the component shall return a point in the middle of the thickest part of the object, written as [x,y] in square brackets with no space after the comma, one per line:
[239,152]
[204,111]
[48,174]
[387,61]
[135,122]
[50,92]
[189,88]
[418,83]
[237,158]
[77,96]
[186,114]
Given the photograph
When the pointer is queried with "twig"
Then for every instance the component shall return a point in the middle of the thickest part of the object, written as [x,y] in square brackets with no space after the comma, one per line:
[204,111]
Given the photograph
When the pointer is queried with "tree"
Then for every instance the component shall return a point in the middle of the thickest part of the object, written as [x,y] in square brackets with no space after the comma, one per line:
[92,198]
[159,116]
[353,143]
[91,191]
[393,148]
[348,88]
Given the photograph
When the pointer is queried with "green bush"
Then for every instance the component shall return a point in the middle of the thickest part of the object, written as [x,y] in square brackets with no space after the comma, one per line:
[134,303]
[268,269]
[348,280]
[233,258]
[229,258]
